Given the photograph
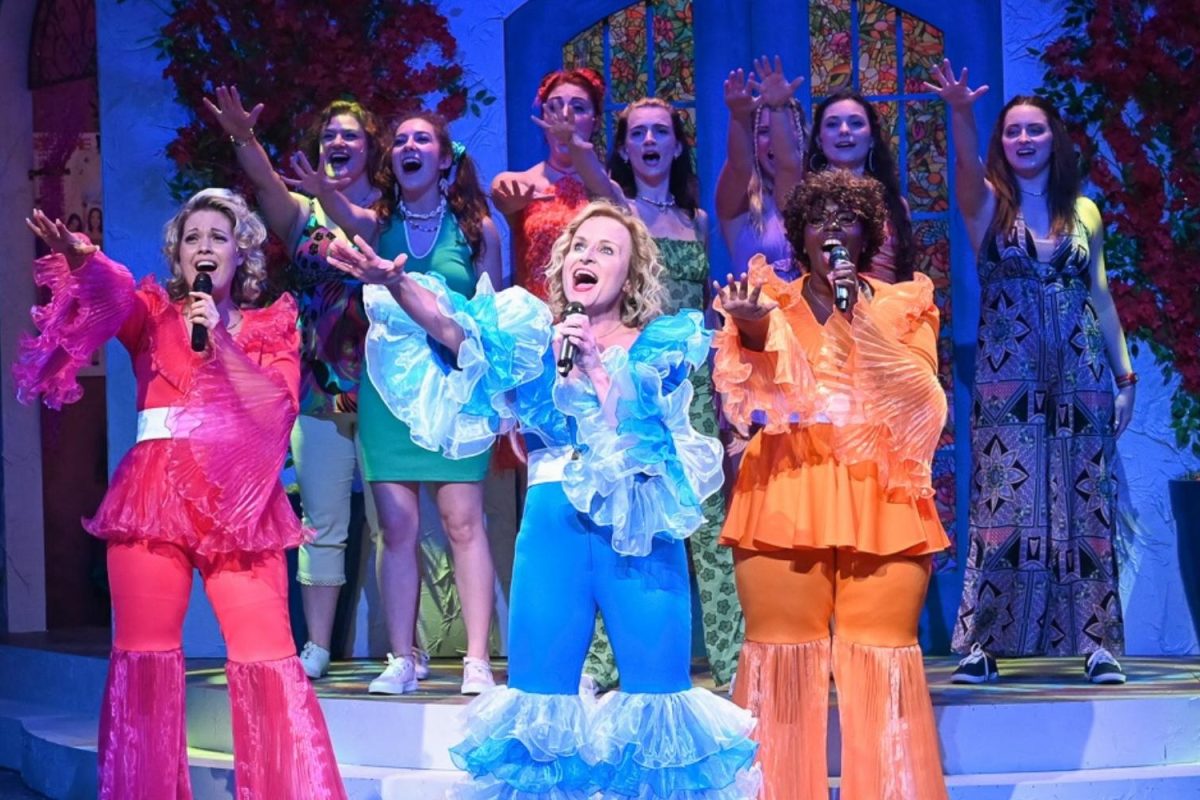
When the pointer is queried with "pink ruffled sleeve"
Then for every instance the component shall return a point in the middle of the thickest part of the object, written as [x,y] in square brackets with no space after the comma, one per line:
[768,387]
[87,307]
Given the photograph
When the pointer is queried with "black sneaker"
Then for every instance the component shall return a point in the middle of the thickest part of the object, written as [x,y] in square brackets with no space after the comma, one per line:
[1101,667]
[977,667]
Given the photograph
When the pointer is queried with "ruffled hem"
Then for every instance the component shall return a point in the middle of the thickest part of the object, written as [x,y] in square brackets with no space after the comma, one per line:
[793,492]
[643,469]
[87,307]
[866,378]
[689,745]
[523,745]
[152,498]
[456,404]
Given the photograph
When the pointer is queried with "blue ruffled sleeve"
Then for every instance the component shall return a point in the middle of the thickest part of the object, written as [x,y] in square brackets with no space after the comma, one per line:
[457,405]
[643,469]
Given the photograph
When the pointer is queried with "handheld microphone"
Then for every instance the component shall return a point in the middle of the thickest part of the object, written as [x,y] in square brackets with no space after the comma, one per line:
[566,356]
[203,283]
[838,253]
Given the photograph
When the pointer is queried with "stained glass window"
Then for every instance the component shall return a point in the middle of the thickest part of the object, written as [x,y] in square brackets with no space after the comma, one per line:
[886,55]
[644,50]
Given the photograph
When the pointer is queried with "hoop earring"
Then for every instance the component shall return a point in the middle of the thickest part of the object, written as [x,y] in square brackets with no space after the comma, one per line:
[871,158]
[813,166]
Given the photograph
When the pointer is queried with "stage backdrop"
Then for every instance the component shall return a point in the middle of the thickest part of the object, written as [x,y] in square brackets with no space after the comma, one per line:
[684,50]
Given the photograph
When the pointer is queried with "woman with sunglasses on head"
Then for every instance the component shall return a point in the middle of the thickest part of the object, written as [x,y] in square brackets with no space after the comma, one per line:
[217,395]
[832,520]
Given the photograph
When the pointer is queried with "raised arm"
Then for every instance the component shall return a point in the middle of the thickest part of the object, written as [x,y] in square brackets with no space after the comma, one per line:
[976,197]
[777,94]
[417,301]
[734,178]
[354,220]
[583,155]
[283,211]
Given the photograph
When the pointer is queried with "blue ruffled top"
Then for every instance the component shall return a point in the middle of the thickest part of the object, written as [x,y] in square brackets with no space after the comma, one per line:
[641,467]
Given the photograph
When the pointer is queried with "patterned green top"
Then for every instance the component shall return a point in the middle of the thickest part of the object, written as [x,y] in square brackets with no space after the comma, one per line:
[687,273]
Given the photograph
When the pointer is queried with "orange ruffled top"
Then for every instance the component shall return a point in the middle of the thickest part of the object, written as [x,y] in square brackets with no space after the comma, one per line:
[851,412]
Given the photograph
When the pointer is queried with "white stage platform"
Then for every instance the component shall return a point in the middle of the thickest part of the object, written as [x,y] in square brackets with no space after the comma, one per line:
[1041,734]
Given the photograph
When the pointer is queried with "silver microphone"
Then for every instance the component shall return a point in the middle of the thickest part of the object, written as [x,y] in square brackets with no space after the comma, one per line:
[838,253]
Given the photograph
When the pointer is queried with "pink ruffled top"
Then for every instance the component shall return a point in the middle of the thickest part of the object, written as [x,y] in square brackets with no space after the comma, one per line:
[851,413]
[213,484]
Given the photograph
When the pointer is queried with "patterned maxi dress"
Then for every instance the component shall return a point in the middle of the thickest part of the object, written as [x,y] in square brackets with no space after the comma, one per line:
[1041,574]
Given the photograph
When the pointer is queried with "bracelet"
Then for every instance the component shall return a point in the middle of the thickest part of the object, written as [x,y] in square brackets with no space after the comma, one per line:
[242,142]
[1126,380]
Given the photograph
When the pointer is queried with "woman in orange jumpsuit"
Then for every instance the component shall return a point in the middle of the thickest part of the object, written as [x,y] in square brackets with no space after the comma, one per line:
[832,520]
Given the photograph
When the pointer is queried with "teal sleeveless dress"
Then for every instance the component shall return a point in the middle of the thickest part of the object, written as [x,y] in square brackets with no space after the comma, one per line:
[388,451]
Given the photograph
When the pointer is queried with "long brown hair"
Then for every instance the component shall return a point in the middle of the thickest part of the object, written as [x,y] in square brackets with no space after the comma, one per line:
[464,196]
[881,165]
[1062,188]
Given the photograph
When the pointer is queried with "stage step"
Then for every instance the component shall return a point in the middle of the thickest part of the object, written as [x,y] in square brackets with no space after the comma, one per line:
[1045,736]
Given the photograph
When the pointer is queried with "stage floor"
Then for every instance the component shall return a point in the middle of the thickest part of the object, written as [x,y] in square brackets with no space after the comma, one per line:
[1023,680]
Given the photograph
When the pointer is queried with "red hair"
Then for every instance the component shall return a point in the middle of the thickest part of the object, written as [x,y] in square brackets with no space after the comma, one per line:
[585,78]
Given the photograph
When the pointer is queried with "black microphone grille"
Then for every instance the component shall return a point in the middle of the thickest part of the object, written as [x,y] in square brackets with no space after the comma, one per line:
[203,283]
[574,307]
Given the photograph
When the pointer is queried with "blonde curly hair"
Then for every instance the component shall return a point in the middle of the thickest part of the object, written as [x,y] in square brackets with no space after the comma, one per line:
[249,234]
[646,296]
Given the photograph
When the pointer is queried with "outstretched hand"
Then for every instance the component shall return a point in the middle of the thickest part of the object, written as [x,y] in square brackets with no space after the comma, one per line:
[774,88]
[76,249]
[362,262]
[741,302]
[956,92]
[561,127]
[313,181]
[232,115]
[739,93]
[512,196]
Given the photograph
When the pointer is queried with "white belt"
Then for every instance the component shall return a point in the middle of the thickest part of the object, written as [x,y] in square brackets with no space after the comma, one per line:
[547,464]
[153,423]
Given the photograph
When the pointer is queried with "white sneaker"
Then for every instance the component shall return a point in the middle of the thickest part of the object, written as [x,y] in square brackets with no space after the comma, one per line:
[420,663]
[588,687]
[1102,667]
[399,677]
[315,660]
[477,676]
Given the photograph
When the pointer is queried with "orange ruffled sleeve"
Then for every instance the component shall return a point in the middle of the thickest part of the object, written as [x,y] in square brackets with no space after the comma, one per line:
[767,387]
[893,366]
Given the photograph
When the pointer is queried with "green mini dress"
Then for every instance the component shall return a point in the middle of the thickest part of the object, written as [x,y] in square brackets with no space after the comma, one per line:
[388,451]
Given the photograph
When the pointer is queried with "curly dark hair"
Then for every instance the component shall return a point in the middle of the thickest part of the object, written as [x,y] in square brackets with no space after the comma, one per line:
[881,166]
[860,194]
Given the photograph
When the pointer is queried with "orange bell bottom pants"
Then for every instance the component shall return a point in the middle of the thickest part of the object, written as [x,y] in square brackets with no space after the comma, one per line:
[810,612]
